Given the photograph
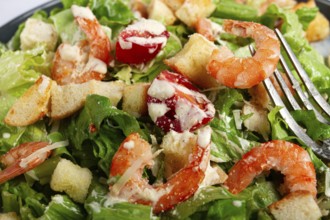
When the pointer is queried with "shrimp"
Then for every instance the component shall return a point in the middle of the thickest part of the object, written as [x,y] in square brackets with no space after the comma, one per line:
[204,27]
[244,73]
[14,162]
[288,158]
[87,59]
[135,153]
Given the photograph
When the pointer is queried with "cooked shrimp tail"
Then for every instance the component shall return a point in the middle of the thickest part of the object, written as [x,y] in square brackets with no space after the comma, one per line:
[290,159]
[246,72]
[135,153]
[25,157]
[87,59]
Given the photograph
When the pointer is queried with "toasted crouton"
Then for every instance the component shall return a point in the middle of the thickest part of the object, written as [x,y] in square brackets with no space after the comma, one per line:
[72,179]
[192,60]
[67,99]
[174,4]
[177,149]
[9,216]
[135,99]
[159,11]
[258,121]
[37,32]
[192,10]
[319,28]
[296,206]
[32,106]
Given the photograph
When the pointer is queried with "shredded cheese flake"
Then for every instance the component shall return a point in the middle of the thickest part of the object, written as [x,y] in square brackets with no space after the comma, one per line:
[41,152]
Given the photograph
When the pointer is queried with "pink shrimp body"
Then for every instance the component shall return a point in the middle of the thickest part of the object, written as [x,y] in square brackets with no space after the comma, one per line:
[246,72]
[134,151]
[288,158]
[86,60]
[13,158]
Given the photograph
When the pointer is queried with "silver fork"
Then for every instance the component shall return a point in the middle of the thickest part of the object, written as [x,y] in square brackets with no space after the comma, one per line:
[321,149]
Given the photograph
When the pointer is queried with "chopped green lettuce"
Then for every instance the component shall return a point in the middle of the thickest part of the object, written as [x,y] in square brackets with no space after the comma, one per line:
[102,128]
[100,205]
[293,32]
[207,200]
[233,10]
[62,207]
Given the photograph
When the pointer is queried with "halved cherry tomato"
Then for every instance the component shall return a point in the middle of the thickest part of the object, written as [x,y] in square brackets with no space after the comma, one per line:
[174,103]
[141,42]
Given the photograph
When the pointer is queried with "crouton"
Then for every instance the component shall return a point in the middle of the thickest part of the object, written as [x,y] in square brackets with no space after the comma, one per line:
[71,179]
[159,11]
[258,121]
[67,99]
[9,216]
[174,4]
[192,60]
[296,206]
[213,175]
[37,32]
[319,28]
[177,147]
[135,99]
[192,10]
[32,106]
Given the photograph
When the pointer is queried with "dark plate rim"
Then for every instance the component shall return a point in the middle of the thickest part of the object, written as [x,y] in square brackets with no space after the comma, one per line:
[9,29]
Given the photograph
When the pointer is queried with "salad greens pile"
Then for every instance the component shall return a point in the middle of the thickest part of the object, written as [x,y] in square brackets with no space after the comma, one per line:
[30,195]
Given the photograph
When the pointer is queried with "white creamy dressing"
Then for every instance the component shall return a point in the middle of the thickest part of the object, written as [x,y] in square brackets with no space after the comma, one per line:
[96,65]
[144,25]
[69,52]
[44,84]
[6,135]
[144,41]
[187,113]
[161,89]
[157,110]
[82,12]
[204,137]
[129,145]
[149,25]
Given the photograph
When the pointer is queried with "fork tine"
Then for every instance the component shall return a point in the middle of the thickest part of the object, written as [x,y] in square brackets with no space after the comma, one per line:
[286,90]
[296,86]
[323,152]
[306,80]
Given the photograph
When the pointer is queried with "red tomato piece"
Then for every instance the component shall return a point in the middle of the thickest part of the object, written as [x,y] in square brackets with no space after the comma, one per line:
[141,42]
[174,103]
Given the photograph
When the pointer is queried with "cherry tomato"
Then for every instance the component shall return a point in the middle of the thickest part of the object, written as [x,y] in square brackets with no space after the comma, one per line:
[174,103]
[141,42]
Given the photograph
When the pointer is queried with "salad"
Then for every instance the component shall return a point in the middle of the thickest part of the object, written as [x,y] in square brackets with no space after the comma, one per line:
[155,109]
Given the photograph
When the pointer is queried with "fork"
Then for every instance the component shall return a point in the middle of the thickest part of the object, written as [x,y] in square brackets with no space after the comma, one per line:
[321,149]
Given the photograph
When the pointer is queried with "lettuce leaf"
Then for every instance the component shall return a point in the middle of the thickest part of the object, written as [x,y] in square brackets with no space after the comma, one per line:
[229,142]
[13,136]
[306,15]
[102,128]
[315,129]
[19,70]
[233,10]
[22,199]
[293,31]
[99,205]
[115,14]
[67,28]
[62,207]
[207,200]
